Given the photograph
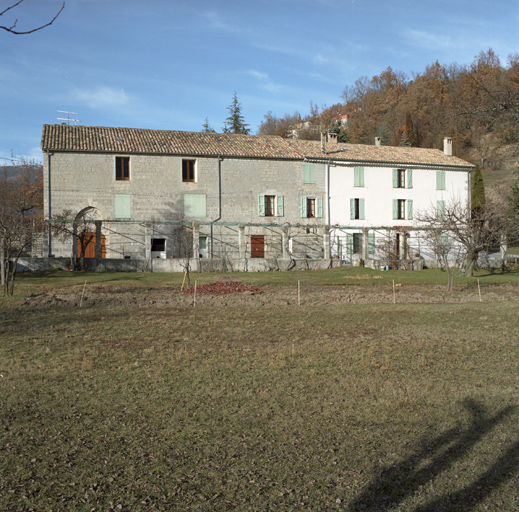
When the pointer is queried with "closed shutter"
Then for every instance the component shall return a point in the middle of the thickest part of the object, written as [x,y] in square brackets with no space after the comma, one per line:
[410,178]
[303,207]
[279,206]
[319,202]
[395,178]
[352,208]
[123,205]
[361,209]
[371,242]
[440,180]
[195,205]
[410,209]
[440,209]
[395,209]
[358,176]
[261,205]
[309,173]
[349,244]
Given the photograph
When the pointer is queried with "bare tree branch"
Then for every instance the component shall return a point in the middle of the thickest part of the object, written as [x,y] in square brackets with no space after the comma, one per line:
[12,30]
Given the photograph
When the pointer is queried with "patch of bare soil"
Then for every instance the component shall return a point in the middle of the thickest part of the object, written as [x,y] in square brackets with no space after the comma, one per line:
[234,293]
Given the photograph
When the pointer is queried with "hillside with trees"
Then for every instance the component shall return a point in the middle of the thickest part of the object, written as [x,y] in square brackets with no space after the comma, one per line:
[477,105]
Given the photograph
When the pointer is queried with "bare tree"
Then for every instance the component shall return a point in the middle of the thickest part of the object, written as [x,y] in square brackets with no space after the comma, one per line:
[475,231]
[67,225]
[12,28]
[21,217]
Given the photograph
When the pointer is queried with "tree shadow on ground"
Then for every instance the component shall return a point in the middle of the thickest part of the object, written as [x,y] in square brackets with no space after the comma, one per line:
[394,484]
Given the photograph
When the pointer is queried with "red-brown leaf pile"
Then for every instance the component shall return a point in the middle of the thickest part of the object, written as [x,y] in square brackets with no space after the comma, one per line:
[223,288]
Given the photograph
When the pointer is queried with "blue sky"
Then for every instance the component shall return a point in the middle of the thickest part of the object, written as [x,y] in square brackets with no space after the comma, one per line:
[169,64]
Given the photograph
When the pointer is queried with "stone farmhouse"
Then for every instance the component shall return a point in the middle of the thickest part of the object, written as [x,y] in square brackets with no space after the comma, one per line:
[241,202]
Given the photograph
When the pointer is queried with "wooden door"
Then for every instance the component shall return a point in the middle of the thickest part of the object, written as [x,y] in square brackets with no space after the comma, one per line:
[90,249]
[257,243]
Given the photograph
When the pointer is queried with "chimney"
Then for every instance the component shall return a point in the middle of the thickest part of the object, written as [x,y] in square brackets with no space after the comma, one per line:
[332,138]
[323,143]
[447,146]
[378,141]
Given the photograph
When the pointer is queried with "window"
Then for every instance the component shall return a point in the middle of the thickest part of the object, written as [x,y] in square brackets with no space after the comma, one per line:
[399,209]
[270,206]
[158,248]
[309,173]
[311,207]
[195,205]
[358,176]
[357,243]
[122,206]
[400,174]
[356,209]
[122,168]
[188,170]
[440,180]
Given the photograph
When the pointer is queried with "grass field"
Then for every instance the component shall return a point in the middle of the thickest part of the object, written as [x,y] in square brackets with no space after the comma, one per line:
[341,407]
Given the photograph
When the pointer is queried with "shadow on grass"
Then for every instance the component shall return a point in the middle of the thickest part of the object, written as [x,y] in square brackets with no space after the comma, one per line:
[394,484]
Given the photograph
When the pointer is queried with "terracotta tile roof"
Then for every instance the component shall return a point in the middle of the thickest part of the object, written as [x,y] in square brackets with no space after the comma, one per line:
[363,153]
[60,137]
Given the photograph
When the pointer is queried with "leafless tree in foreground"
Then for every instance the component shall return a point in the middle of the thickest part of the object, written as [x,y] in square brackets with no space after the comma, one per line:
[12,28]
[455,226]
[21,217]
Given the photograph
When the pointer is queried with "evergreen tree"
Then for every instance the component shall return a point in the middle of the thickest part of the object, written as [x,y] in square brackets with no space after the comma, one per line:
[235,123]
[207,128]
[409,130]
[385,135]
[477,195]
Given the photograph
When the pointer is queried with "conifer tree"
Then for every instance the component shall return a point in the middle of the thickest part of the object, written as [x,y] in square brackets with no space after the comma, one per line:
[235,123]
[477,195]
[207,128]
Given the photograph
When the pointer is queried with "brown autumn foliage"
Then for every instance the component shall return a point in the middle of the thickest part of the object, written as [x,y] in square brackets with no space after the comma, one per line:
[464,102]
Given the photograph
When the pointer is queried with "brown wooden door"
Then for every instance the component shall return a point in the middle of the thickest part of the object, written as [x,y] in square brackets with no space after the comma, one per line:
[90,249]
[257,243]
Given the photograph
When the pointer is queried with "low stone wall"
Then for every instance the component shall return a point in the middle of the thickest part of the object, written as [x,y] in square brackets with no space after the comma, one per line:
[179,264]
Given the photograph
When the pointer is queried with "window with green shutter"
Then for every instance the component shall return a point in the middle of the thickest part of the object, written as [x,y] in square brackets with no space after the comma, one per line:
[410,178]
[319,212]
[410,209]
[304,212]
[280,206]
[195,205]
[309,173]
[371,242]
[261,205]
[440,180]
[440,209]
[395,178]
[349,244]
[358,176]
[123,206]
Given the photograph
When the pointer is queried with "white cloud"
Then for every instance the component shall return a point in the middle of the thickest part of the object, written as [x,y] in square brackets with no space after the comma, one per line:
[102,97]
[428,40]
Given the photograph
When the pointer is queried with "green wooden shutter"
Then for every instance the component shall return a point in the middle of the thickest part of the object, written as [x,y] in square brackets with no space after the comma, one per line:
[309,173]
[440,180]
[410,178]
[304,212]
[352,208]
[319,202]
[349,243]
[279,206]
[395,178]
[371,242]
[339,248]
[195,205]
[261,205]
[440,209]
[410,209]
[361,209]
[444,241]
[123,206]
[395,209]
[358,176]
